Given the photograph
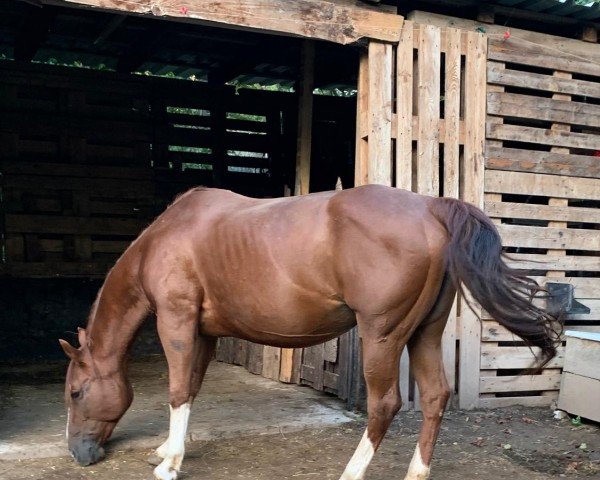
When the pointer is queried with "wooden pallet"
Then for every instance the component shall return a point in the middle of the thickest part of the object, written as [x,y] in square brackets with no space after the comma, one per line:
[542,186]
[430,140]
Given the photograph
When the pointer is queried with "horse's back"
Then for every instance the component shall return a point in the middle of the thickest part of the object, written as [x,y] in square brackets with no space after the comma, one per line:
[288,270]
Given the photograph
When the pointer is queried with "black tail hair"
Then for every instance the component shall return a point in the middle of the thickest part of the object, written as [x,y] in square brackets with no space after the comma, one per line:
[475,259]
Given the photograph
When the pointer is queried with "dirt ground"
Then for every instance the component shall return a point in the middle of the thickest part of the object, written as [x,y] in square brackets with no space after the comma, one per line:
[472,445]
[254,435]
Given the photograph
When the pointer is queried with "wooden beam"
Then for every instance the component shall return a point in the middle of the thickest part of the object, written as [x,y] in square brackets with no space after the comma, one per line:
[305,113]
[339,21]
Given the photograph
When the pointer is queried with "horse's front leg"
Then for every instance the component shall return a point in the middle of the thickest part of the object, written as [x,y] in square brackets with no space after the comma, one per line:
[188,356]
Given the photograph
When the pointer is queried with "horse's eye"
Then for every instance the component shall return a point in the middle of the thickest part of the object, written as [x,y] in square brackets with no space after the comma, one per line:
[75,395]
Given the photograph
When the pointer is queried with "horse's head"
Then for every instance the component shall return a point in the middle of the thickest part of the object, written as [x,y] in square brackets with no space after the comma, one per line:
[96,399]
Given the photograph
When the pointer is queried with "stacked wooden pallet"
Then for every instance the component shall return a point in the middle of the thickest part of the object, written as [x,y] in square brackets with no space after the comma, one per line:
[542,186]
[421,127]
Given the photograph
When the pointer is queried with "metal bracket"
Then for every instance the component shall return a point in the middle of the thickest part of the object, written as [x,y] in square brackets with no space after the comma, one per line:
[562,299]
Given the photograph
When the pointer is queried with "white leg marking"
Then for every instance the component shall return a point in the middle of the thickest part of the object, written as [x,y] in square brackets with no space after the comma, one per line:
[68,421]
[163,449]
[417,470]
[174,447]
[357,466]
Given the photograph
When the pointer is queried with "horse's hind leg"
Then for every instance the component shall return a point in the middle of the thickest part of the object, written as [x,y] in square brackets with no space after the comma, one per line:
[425,351]
[188,355]
[381,360]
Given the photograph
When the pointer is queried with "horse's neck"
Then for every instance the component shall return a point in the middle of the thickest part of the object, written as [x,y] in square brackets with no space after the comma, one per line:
[117,315]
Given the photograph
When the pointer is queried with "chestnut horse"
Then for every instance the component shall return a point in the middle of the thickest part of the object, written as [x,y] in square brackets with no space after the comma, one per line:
[295,272]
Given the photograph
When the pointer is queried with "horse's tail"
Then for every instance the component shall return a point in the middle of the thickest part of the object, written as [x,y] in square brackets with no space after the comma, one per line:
[475,260]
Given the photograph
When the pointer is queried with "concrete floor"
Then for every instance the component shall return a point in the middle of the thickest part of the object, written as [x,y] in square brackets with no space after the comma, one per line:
[232,403]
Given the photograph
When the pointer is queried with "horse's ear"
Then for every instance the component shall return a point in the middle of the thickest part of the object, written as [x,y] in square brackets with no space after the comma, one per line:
[81,334]
[70,350]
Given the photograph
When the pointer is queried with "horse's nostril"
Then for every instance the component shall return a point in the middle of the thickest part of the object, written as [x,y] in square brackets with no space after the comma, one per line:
[87,452]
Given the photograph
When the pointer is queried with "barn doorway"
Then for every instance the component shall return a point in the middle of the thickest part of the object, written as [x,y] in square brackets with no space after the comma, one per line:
[107,117]
[104,119]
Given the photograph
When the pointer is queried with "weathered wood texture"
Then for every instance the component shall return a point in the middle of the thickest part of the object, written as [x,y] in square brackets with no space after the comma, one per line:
[437,113]
[338,21]
[581,377]
[89,158]
[542,186]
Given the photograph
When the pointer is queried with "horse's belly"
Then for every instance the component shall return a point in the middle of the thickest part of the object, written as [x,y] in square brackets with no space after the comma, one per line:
[281,329]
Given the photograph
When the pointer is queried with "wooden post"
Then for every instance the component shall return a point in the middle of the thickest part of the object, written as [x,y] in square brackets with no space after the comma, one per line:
[428,158]
[404,108]
[305,110]
[291,358]
[475,109]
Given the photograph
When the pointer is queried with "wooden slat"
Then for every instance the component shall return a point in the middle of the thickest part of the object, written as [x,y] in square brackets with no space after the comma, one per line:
[331,351]
[518,133]
[55,269]
[528,401]
[530,46]
[428,111]
[519,160]
[493,357]
[492,331]
[520,383]
[255,358]
[70,170]
[109,246]
[73,225]
[542,212]
[538,108]
[475,100]
[542,185]
[380,114]
[449,348]
[404,108]
[472,191]
[313,366]
[530,261]
[441,126]
[330,381]
[452,76]
[538,81]
[514,50]
[271,362]
[470,356]
[362,123]
[547,237]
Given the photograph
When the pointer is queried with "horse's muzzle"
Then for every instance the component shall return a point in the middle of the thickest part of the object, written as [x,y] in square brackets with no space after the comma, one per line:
[86,452]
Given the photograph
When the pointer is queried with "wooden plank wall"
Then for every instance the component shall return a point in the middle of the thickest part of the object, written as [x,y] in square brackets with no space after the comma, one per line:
[542,188]
[427,95]
[542,185]
[89,158]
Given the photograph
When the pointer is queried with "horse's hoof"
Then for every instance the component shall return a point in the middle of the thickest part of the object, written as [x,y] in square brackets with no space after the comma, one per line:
[163,472]
[154,459]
